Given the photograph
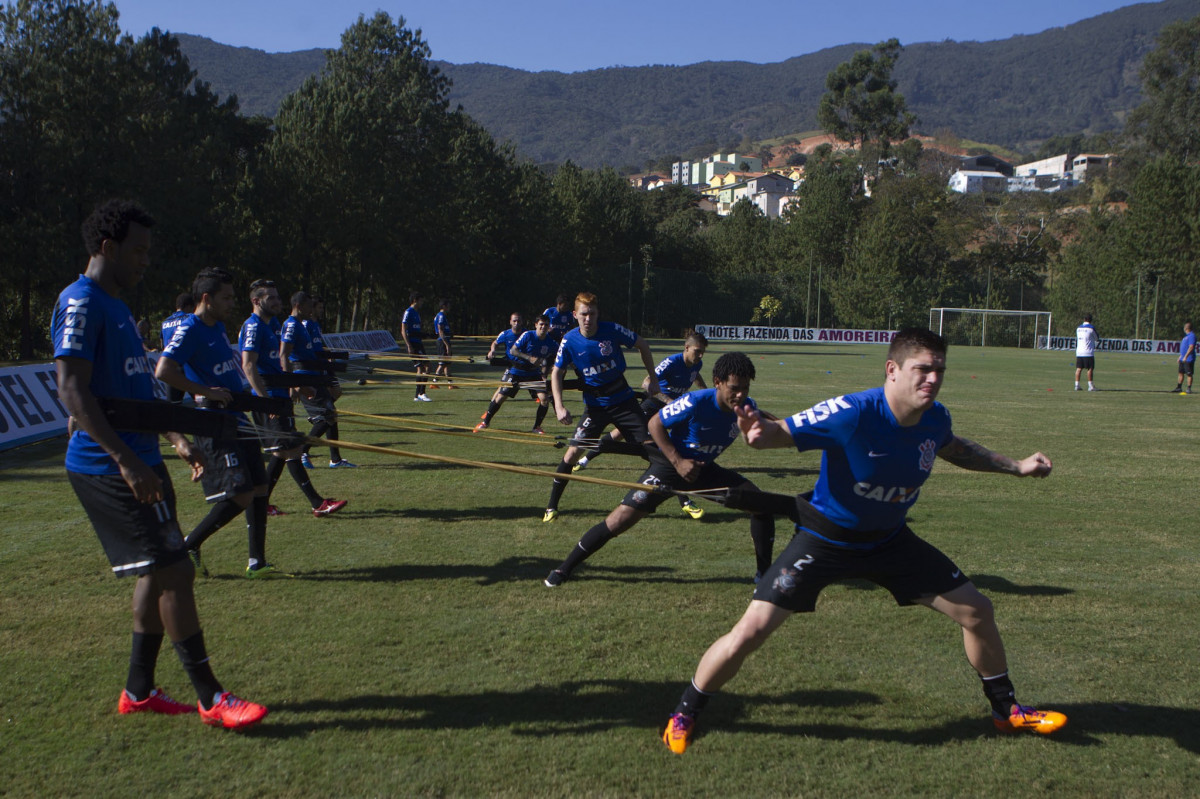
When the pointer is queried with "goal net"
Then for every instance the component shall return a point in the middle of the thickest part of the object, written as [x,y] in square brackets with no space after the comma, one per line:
[988,327]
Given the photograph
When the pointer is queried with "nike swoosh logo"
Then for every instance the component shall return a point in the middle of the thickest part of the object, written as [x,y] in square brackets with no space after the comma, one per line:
[212,343]
[874,454]
[956,573]
[121,326]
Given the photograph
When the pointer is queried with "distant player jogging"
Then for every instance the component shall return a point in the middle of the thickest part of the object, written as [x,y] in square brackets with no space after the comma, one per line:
[528,355]
[879,447]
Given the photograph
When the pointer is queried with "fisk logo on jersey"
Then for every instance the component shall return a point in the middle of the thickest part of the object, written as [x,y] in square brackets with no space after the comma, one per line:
[928,454]
[896,494]
[74,321]
[677,407]
[821,411]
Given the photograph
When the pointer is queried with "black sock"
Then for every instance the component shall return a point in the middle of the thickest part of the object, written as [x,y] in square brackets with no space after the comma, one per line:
[143,657]
[274,470]
[692,701]
[194,658]
[335,454]
[592,540]
[999,693]
[300,475]
[558,486]
[221,514]
[762,533]
[256,531]
[541,414]
[491,411]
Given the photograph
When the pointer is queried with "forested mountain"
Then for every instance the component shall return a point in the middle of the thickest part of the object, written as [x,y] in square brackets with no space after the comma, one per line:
[1013,92]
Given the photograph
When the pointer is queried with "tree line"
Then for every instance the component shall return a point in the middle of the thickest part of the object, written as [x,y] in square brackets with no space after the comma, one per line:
[368,184]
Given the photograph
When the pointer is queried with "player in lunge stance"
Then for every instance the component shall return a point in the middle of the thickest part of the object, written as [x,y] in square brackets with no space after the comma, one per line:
[120,478]
[528,356]
[688,435]
[879,447]
[593,350]
[676,375]
[258,342]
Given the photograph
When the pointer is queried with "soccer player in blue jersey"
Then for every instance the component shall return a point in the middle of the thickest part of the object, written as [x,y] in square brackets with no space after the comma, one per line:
[879,447]
[184,305]
[199,360]
[298,353]
[441,329]
[1187,358]
[676,375]
[560,316]
[120,478]
[593,350]
[688,435]
[258,342]
[410,331]
[528,356]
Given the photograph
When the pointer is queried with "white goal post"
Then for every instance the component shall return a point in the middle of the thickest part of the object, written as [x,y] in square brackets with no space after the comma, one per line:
[990,327]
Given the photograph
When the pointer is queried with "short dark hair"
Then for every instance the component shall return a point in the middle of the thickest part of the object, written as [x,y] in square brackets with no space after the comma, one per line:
[915,339]
[414,296]
[444,303]
[209,281]
[542,318]
[696,340]
[561,299]
[111,221]
[299,298]
[260,287]
[733,363]
[185,302]
[1087,317]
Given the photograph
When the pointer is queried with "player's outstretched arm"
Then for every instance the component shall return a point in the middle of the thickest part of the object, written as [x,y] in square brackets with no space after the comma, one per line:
[967,454]
[762,430]
[648,361]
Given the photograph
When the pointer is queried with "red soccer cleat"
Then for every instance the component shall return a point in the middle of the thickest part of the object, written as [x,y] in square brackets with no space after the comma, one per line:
[329,506]
[157,702]
[232,713]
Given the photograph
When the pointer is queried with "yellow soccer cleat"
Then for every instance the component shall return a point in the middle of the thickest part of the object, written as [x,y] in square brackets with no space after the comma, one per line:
[1043,722]
[692,509]
[678,733]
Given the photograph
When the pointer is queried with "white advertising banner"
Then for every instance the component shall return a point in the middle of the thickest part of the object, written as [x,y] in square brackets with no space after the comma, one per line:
[29,406]
[806,335]
[363,341]
[1145,345]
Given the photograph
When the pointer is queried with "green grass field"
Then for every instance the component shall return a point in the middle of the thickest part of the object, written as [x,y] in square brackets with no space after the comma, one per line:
[418,653]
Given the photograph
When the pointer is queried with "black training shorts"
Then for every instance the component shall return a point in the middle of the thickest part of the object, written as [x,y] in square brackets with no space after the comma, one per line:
[625,416]
[282,433]
[232,466]
[418,348]
[662,473]
[319,407]
[137,538]
[907,566]
[1085,362]
[1187,368]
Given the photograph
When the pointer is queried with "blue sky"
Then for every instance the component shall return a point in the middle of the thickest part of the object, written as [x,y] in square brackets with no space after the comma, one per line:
[574,35]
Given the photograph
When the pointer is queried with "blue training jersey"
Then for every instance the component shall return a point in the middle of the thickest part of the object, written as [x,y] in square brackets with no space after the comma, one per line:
[206,356]
[560,321]
[170,323]
[872,468]
[91,324]
[598,361]
[502,344]
[295,333]
[530,344]
[412,323]
[675,377]
[698,427]
[441,325]
[1188,341]
[313,328]
[262,337]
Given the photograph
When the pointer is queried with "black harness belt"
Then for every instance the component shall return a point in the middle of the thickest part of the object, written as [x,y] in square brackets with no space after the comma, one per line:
[248,403]
[157,416]
[799,510]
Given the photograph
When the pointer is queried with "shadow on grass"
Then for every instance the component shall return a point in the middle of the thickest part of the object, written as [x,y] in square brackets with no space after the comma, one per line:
[476,514]
[516,569]
[589,706]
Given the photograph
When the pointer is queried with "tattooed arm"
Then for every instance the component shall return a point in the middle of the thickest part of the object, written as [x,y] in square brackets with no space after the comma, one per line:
[978,458]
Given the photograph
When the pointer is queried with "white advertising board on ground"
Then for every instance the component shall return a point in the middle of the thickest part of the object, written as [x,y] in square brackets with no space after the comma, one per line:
[1146,345]
[364,341]
[29,406]
[804,335]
